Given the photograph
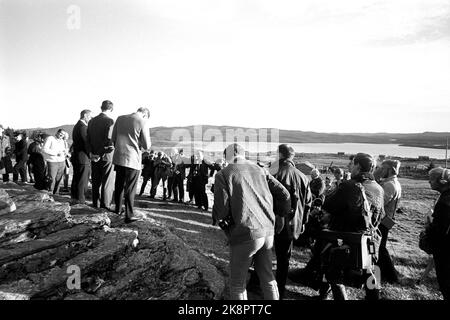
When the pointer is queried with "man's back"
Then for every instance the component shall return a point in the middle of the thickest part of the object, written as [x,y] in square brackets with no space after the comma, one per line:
[298,186]
[79,145]
[241,189]
[99,135]
[346,205]
[392,194]
[130,133]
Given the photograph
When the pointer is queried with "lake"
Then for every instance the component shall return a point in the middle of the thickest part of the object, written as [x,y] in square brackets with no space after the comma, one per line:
[348,148]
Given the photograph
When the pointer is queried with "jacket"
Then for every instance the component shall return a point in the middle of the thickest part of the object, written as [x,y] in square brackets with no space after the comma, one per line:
[301,198]
[99,134]
[346,205]
[392,194]
[21,151]
[80,143]
[4,143]
[130,134]
[317,187]
[148,169]
[440,225]
[242,191]
[52,147]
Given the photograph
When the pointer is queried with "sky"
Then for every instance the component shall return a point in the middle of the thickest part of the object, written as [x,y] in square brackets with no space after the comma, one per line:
[312,65]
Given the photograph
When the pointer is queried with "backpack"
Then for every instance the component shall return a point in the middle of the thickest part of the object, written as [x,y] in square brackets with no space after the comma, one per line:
[348,256]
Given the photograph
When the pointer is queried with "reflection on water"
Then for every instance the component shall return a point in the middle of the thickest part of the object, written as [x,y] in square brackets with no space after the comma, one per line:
[348,148]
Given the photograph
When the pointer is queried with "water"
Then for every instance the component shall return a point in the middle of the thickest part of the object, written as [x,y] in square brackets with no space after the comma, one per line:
[348,148]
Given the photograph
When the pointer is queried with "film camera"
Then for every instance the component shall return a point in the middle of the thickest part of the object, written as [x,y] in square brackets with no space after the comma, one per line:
[226,223]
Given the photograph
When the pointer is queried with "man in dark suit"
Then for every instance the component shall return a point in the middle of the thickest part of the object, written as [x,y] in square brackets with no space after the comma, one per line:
[21,154]
[80,158]
[99,138]
[130,134]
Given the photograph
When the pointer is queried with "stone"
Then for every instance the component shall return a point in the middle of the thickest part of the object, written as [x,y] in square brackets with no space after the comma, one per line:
[35,219]
[81,296]
[44,242]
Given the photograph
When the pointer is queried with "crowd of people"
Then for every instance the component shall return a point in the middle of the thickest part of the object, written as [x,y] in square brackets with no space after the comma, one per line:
[260,212]
[259,209]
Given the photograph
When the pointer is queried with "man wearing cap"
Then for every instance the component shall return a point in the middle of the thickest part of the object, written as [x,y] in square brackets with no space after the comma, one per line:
[80,158]
[392,193]
[131,133]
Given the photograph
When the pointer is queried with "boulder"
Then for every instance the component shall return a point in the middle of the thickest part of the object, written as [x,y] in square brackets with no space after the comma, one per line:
[44,242]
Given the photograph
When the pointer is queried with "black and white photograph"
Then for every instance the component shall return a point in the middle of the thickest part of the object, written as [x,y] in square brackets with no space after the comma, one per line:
[204,152]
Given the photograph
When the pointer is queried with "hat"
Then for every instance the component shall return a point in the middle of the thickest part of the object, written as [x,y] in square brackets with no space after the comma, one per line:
[315,173]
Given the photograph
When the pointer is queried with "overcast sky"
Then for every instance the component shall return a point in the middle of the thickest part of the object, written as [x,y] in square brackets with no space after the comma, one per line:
[325,66]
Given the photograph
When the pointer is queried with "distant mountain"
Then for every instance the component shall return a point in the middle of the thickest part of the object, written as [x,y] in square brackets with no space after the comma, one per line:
[163,136]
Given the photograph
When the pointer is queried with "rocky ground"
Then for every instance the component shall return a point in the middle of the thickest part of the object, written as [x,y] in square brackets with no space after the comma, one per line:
[45,238]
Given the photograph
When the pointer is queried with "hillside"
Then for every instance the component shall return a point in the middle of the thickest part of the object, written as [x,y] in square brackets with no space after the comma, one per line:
[435,140]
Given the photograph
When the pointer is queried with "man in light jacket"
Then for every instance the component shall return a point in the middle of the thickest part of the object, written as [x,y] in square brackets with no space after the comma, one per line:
[55,152]
[131,133]
[392,194]
[243,197]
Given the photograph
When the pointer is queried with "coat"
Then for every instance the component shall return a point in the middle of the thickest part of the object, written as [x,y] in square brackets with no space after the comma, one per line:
[21,151]
[301,199]
[440,225]
[346,205]
[80,145]
[99,135]
[242,191]
[130,134]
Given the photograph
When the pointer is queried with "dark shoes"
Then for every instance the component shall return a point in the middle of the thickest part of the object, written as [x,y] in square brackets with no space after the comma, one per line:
[137,216]
[130,220]
[107,208]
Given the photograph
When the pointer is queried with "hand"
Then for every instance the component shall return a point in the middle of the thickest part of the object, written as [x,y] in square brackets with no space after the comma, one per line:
[326,218]
[279,224]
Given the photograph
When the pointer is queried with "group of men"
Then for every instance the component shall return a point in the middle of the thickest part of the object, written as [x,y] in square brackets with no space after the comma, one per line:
[99,144]
[171,170]
[263,211]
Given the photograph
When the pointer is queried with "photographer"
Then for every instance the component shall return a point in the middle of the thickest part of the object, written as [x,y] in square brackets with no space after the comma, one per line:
[243,200]
[345,210]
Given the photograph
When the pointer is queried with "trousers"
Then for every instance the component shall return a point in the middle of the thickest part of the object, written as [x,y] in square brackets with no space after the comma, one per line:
[125,189]
[259,250]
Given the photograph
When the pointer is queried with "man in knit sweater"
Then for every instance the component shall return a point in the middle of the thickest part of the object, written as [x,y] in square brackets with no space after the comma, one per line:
[242,191]
[55,152]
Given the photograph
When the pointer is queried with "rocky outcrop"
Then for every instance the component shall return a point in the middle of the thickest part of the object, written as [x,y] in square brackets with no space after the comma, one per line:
[45,245]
